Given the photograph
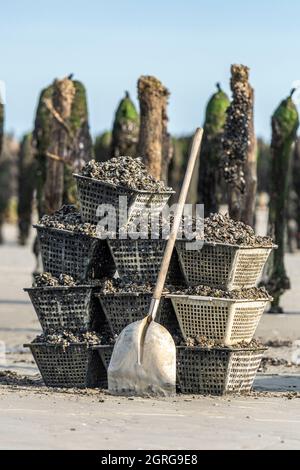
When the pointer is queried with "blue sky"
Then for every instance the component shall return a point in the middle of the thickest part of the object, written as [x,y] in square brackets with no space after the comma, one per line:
[188,44]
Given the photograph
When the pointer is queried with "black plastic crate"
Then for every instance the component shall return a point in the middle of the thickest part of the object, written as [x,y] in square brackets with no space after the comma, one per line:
[93,193]
[140,260]
[79,255]
[123,308]
[73,366]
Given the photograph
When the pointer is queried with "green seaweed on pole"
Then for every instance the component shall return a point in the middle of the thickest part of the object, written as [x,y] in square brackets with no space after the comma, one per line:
[62,140]
[285,123]
[125,129]
[26,166]
[211,151]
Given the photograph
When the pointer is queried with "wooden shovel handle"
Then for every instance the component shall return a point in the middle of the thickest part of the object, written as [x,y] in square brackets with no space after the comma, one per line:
[195,147]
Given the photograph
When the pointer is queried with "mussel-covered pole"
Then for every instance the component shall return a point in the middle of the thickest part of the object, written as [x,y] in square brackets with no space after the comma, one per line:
[62,140]
[125,129]
[249,201]
[211,151]
[285,123]
[26,180]
[154,143]
[237,137]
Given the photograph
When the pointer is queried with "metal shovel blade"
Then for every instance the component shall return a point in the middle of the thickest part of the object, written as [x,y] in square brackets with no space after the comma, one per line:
[143,361]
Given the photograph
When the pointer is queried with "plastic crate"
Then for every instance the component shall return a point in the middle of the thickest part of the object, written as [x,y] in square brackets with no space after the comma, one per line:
[63,308]
[121,309]
[93,193]
[223,266]
[228,321]
[76,365]
[141,259]
[217,371]
[76,254]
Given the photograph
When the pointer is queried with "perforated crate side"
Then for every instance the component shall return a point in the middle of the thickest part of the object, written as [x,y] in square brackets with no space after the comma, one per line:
[148,202]
[74,366]
[224,320]
[217,371]
[123,309]
[211,265]
[201,317]
[62,308]
[202,371]
[248,267]
[78,255]
[245,320]
[141,259]
[93,193]
[242,369]
[105,353]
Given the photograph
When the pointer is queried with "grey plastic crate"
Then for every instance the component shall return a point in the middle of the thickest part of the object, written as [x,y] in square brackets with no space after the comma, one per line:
[228,321]
[121,309]
[217,371]
[140,260]
[76,254]
[93,193]
[223,266]
[76,365]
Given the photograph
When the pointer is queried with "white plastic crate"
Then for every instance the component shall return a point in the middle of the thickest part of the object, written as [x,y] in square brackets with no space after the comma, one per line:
[223,266]
[228,321]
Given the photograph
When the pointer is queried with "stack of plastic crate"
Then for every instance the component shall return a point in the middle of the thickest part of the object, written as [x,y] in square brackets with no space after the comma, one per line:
[70,309]
[226,322]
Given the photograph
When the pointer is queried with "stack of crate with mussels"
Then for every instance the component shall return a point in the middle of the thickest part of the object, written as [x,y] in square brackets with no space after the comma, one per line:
[93,286]
[136,251]
[220,310]
[74,261]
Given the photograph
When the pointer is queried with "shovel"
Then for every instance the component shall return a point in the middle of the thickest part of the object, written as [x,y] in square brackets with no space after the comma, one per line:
[143,361]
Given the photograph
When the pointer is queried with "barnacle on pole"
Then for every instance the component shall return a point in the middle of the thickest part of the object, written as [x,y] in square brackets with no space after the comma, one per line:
[236,138]
[211,151]
[154,141]
[26,164]
[62,141]
[125,129]
[285,123]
